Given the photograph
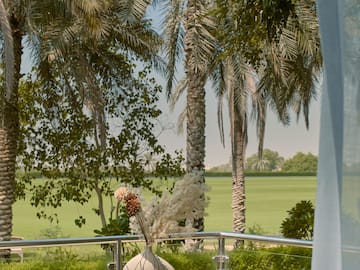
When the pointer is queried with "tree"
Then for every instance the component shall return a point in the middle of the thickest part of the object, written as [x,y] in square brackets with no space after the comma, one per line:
[61,141]
[301,162]
[9,129]
[271,160]
[50,28]
[279,55]
[188,28]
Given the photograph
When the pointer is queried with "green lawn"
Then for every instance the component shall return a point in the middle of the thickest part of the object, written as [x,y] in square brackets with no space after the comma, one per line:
[268,199]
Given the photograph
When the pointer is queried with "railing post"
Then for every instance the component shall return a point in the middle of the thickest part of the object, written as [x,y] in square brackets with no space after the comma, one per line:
[118,255]
[221,259]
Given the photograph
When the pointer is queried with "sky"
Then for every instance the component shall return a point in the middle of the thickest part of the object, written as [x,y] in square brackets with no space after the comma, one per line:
[286,140]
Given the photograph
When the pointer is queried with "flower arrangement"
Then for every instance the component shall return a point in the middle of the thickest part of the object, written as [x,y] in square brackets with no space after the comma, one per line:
[161,216]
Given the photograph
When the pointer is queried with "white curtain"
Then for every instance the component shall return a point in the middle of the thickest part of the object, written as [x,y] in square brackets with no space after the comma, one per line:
[337,214]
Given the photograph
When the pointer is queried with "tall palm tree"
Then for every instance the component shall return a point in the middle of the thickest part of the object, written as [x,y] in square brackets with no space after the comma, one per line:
[9,130]
[5,159]
[286,78]
[234,79]
[49,32]
[188,29]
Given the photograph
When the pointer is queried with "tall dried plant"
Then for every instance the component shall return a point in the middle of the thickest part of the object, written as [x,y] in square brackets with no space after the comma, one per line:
[161,217]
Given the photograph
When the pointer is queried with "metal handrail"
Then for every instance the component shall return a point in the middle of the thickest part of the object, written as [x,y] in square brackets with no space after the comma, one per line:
[118,239]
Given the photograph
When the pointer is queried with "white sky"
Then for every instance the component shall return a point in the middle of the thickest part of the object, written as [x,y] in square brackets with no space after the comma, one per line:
[287,141]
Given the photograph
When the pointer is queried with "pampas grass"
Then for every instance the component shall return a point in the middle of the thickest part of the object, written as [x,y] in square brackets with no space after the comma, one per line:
[161,216]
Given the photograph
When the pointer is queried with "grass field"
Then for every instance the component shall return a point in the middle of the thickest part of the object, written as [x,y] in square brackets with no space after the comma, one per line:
[268,199]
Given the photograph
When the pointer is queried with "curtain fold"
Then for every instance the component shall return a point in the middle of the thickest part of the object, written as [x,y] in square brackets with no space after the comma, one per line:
[337,213]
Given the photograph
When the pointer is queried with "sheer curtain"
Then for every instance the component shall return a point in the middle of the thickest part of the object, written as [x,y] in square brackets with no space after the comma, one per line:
[337,214]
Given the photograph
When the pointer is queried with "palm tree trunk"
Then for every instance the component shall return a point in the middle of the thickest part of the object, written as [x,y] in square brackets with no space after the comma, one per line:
[238,175]
[195,104]
[9,131]
[238,126]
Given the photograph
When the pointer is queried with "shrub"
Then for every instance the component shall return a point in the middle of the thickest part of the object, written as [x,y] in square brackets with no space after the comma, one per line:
[248,259]
[190,261]
[55,265]
[69,261]
[300,222]
[290,258]
[278,258]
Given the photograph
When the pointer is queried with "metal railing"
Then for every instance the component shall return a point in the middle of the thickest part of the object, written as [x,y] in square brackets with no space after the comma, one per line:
[221,237]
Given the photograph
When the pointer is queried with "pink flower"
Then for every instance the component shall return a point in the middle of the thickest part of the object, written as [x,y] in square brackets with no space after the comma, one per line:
[120,194]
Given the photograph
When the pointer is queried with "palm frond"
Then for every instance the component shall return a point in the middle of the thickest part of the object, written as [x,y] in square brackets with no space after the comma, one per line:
[133,10]
[180,89]
[258,113]
[220,118]
[200,38]
[173,35]
[294,63]
[180,122]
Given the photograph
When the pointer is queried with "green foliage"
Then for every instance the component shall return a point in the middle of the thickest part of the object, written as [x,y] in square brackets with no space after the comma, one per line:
[301,162]
[300,221]
[264,20]
[270,161]
[63,264]
[248,260]
[118,226]
[278,258]
[79,140]
[193,261]
[181,261]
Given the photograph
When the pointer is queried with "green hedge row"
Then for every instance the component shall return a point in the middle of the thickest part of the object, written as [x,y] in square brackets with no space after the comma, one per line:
[36,174]
[228,174]
[64,264]
[277,258]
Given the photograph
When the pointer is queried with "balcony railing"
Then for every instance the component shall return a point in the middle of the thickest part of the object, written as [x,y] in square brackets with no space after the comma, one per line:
[221,238]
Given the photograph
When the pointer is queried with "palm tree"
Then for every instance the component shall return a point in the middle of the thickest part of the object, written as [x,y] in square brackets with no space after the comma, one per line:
[234,79]
[188,28]
[288,78]
[50,33]
[9,129]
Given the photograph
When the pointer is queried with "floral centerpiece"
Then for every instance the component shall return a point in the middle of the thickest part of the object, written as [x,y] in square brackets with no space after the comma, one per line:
[161,216]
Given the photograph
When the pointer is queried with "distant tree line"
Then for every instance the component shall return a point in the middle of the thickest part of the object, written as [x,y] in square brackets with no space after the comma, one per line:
[271,161]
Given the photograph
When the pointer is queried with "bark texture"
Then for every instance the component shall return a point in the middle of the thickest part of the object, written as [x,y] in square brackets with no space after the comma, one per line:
[9,132]
[195,102]
[238,119]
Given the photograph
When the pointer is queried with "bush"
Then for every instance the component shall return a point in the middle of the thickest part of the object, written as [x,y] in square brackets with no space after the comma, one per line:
[55,265]
[69,261]
[278,258]
[300,222]
[190,261]
[248,259]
